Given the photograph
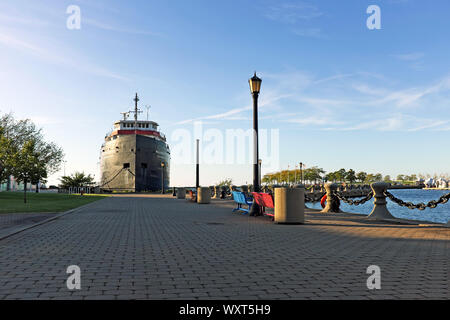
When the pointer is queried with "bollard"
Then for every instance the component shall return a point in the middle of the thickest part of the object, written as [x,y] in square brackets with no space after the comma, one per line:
[181,193]
[332,201]
[216,192]
[244,189]
[380,210]
[290,205]
[223,192]
[203,195]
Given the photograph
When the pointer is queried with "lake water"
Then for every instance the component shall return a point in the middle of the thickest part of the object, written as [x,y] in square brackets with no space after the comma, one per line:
[439,214]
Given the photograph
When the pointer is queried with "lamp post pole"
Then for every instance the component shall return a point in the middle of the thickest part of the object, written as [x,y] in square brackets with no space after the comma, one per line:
[255,86]
[259,172]
[162,177]
[301,172]
[197,167]
[295,175]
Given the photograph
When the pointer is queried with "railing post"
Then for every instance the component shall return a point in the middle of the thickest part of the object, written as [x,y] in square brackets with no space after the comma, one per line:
[380,210]
[223,192]
[332,201]
[216,192]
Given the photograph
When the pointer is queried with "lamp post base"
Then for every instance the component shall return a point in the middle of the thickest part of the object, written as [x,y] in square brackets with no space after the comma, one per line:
[255,210]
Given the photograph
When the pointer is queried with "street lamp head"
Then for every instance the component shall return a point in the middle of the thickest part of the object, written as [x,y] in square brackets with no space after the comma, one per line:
[255,84]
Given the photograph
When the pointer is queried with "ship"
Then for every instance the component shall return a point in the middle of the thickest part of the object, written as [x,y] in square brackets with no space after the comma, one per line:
[135,156]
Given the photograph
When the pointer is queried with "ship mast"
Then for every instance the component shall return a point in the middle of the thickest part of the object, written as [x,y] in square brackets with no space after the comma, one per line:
[136,112]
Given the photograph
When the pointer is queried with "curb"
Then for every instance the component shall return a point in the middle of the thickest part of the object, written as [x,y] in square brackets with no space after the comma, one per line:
[57,216]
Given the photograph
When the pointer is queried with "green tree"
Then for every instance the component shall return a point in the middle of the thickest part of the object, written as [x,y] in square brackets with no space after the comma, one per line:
[341,175]
[387,178]
[80,179]
[6,151]
[14,136]
[361,176]
[351,176]
[27,166]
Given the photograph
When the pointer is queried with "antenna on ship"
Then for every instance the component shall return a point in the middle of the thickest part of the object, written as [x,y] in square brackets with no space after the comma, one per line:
[148,108]
[125,115]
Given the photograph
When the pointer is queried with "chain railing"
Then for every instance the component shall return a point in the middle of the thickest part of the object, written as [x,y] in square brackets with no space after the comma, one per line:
[421,206]
[314,198]
[347,200]
[110,180]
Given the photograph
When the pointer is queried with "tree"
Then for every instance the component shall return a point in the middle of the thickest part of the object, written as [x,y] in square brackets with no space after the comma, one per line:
[27,165]
[378,177]
[341,175]
[5,155]
[79,179]
[14,136]
[361,176]
[351,176]
[387,178]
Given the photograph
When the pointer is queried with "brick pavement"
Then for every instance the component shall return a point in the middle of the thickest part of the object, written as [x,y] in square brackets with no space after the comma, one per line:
[163,248]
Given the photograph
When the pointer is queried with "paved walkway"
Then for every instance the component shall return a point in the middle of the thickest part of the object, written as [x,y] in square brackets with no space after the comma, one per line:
[163,248]
[13,222]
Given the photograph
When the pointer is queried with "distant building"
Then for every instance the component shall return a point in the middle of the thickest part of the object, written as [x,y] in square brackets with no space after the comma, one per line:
[12,185]
[442,183]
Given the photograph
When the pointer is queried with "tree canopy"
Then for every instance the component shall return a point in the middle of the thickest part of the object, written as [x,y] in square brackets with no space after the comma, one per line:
[76,180]
[24,153]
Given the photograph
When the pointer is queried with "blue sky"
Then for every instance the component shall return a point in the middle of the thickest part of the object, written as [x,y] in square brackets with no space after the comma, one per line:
[341,95]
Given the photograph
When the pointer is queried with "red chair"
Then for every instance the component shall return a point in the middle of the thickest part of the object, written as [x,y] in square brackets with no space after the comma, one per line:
[264,200]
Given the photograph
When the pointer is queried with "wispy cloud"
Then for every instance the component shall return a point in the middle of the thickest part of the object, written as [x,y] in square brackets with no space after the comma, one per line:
[109,27]
[409,56]
[397,122]
[345,102]
[22,20]
[309,32]
[292,12]
[13,42]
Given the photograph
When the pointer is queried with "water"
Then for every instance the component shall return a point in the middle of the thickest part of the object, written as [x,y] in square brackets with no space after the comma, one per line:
[439,214]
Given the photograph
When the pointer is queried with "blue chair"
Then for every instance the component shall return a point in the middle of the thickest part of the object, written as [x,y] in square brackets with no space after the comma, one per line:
[241,199]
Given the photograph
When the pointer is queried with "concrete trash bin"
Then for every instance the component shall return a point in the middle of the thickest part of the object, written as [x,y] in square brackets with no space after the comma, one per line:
[203,195]
[290,205]
[181,193]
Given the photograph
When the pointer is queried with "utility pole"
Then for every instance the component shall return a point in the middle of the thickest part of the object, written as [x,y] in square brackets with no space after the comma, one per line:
[197,167]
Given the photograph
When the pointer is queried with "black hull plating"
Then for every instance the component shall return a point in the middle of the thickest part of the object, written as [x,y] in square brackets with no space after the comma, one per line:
[133,163]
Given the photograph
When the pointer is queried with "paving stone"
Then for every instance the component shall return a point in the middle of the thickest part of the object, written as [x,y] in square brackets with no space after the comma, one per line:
[155,247]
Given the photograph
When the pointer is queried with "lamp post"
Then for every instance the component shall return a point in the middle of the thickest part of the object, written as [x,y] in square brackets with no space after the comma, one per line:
[255,86]
[295,175]
[301,172]
[197,167]
[288,177]
[162,177]
[259,171]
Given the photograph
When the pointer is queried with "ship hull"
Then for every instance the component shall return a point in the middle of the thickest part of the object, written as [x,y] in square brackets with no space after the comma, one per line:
[132,163]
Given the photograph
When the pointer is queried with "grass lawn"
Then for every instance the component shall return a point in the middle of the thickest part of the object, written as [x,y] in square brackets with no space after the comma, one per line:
[11,202]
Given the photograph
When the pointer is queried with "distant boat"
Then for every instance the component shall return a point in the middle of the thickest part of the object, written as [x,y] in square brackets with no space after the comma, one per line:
[134,156]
